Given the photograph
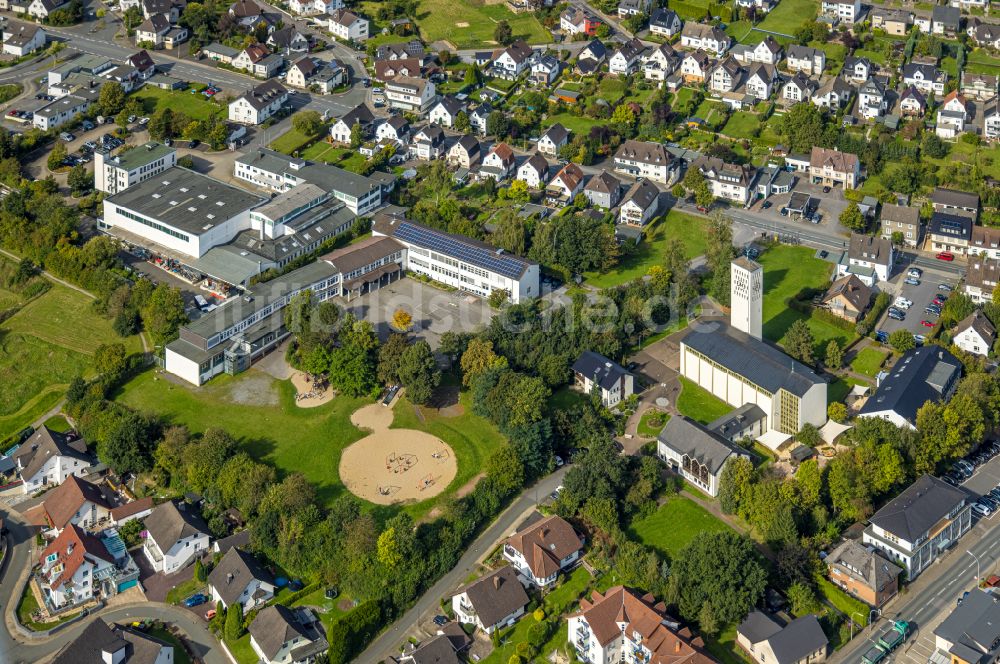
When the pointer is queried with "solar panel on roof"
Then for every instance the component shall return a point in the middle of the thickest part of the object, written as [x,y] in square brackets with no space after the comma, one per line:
[505,265]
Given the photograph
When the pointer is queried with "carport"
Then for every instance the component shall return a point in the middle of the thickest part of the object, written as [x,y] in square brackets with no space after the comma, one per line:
[801,203]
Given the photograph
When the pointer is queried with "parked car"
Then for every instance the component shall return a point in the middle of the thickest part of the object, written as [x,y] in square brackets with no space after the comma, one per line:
[920,339]
[945,287]
[912,282]
[945,256]
[195,600]
[914,272]
[766,205]
[559,461]
[209,614]
[826,190]
[66,136]
[881,336]
[927,323]
[440,620]
[87,125]
[903,303]
[981,510]
[896,315]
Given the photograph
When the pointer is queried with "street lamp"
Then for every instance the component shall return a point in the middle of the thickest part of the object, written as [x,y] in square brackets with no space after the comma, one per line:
[854,613]
[979,569]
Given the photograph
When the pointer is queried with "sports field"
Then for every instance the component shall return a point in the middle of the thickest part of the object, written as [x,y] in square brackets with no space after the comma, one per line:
[470,24]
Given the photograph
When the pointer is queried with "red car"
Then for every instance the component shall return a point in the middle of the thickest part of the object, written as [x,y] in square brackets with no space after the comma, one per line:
[927,323]
[945,256]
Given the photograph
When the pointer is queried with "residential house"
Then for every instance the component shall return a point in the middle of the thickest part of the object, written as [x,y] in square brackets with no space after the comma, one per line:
[247,13]
[439,649]
[767,51]
[76,502]
[834,168]
[834,94]
[238,578]
[394,128]
[464,153]
[534,171]
[896,22]
[925,77]
[926,519]
[170,8]
[985,34]
[625,61]
[732,182]
[479,115]
[903,220]
[100,643]
[801,641]
[137,509]
[308,72]
[174,536]
[628,8]
[981,87]
[603,190]
[38,9]
[863,572]
[845,11]
[928,373]
[848,298]
[545,70]
[659,63]
[981,279]
[411,49]
[410,94]
[258,60]
[73,567]
[428,143]
[48,457]
[991,119]
[348,26]
[696,453]
[699,36]
[542,547]
[142,63]
[975,334]
[664,22]
[386,70]
[962,203]
[553,139]
[576,21]
[950,232]
[152,30]
[360,115]
[760,80]
[314,7]
[597,374]
[512,61]
[493,602]
[808,60]
[871,99]
[969,5]
[259,104]
[799,88]
[640,204]
[283,635]
[970,634]
[219,53]
[912,103]
[695,67]
[857,69]
[985,242]
[870,258]
[643,159]
[498,163]
[20,39]
[621,625]
[725,76]
[946,21]
[445,111]
[289,40]
[591,57]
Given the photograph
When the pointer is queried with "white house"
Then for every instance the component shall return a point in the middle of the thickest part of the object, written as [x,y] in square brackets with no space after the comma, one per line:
[833,94]
[871,99]
[642,159]
[626,59]
[912,102]
[314,6]
[553,139]
[545,70]
[725,76]
[846,11]
[806,59]
[175,535]
[498,163]
[640,204]
[348,26]
[695,67]
[493,602]
[258,60]
[478,116]
[799,88]
[991,120]
[566,184]
[760,81]
[239,578]
[659,63]
[801,641]
[696,453]
[280,635]
[952,116]
[610,380]
[464,153]
[699,36]
[410,94]
[258,104]
[542,547]
[534,171]
[868,257]
[394,128]
[428,143]
[924,77]
[856,69]
[20,39]
[72,566]
[75,502]
[512,61]
[732,182]
[664,22]
[360,115]
[445,111]
[975,334]
[48,458]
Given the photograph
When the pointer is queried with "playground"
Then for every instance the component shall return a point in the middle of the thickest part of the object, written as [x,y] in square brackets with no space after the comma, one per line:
[310,391]
[391,466]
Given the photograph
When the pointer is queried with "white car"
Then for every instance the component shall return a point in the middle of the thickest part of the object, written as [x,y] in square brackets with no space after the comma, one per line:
[982,509]
[914,272]
[903,303]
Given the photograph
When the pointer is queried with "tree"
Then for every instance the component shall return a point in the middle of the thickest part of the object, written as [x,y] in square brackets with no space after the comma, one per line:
[357,135]
[80,180]
[721,570]
[419,373]
[308,123]
[234,622]
[624,117]
[111,98]
[834,355]
[902,340]
[161,124]
[502,33]
[128,445]
[734,484]
[199,570]
[109,360]
[462,122]
[852,219]
[497,124]
[402,320]
[719,253]
[803,599]
[390,354]
[933,146]
[205,458]
[479,358]
[498,296]
[799,342]
[837,411]
[809,482]
[809,435]
[163,314]
[56,157]
[802,127]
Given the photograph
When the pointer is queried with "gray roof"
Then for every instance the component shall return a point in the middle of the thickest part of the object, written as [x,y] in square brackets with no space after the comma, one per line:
[802,52]
[873,249]
[496,595]
[901,213]
[973,627]
[957,226]
[911,514]
[275,626]
[978,322]
[923,374]
[688,438]
[241,538]
[139,156]
[221,49]
[438,650]
[170,522]
[185,200]
[325,176]
[737,420]
[603,182]
[863,564]
[757,361]
[234,572]
[556,133]
[265,93]
[799,638]
[356,256]
[599,369]
[758,626]
[45,444]
[99,638]
[642,193]
[949,16]
[662,17]
[953,198]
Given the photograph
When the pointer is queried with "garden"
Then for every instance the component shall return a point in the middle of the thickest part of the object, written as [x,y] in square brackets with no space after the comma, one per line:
[189,102]
[672,527]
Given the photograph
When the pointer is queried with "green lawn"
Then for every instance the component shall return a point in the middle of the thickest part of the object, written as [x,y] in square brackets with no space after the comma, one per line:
[180,655]
[699,404]
[290,142]
[709,110]
[723,647]
[27,606]
[565,398]
[261,413]
[675,226]
[874,56]
[470,24]
[611,90]
[835,53]
[651,423]
[577,124]
[58,424]
[342,157]
[182,591]
[243,651]
[674,525]
[789,15]
[196,106]
[869,360]
[979,61]
[742,125]
[788,271]
[328,609]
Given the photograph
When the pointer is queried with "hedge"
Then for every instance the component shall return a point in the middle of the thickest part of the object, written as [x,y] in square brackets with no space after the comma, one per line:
[849,606]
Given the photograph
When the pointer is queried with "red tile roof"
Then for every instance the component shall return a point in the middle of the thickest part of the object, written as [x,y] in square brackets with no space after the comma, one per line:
[70,547]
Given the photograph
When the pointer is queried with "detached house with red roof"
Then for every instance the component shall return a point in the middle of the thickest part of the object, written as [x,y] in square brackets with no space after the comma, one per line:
[542,547]
[72,568]
[621,625]
[76,502]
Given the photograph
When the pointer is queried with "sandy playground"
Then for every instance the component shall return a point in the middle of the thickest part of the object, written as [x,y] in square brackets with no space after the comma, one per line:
[307,393]
[395,465]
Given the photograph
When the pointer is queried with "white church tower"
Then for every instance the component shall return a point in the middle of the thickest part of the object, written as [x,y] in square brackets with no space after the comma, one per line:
[746,289]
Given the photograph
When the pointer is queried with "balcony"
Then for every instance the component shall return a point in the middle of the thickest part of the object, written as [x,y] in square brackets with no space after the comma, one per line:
[153,550]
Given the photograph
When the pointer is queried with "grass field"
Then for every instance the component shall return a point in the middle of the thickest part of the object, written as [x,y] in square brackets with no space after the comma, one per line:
[709,111]
[675,226]
[742,125]
[869,360]
[290,142]
[699,404]
[342,157]
[261,413]
[980,61]
[651,423]
[789,270]
[469,24]
[195,106]
[577,124]
[789,15]
[674,525]
[611,90]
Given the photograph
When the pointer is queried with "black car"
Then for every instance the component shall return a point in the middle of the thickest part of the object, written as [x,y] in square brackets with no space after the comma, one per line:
[826,190]
[766,205]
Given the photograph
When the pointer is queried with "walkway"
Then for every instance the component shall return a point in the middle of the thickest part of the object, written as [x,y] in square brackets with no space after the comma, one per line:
[712,506]
[49,275]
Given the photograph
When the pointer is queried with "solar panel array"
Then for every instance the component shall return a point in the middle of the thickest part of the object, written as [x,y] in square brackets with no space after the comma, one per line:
[951,226]
[506,265]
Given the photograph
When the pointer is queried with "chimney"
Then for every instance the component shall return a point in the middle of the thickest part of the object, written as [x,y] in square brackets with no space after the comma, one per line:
[229,578]
[677,645]
[497,582]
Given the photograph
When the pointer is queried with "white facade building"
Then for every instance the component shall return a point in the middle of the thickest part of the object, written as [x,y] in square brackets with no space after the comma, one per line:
[118,173]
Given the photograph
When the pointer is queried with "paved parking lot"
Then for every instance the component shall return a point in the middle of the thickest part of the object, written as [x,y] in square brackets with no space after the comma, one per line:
[921,296]
[831,204]
[985,478]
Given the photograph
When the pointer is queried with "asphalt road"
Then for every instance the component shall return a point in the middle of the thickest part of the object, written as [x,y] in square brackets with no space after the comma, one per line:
[388,643]
[17,650]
